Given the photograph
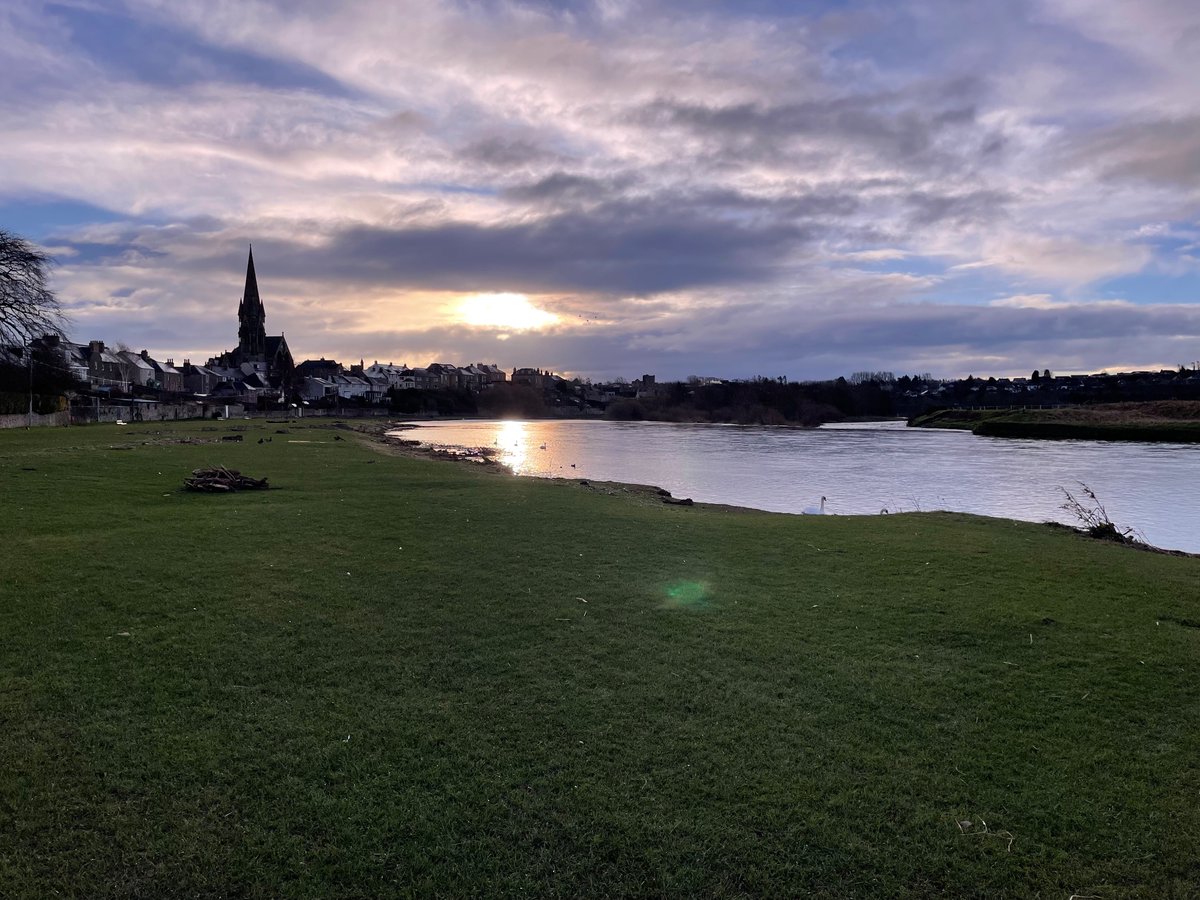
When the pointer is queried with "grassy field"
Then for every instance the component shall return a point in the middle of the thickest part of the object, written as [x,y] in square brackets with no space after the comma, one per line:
[1174,421]
[397,677]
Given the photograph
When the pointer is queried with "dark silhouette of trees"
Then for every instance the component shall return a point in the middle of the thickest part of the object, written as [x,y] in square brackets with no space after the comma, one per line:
[28,308]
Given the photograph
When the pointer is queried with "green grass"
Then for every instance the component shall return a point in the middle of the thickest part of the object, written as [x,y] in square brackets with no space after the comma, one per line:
[379,678]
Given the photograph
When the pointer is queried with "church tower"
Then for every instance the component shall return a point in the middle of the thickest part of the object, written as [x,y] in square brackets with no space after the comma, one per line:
[252,318]
[260,362]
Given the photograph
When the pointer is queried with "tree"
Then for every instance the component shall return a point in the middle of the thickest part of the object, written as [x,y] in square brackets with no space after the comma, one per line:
[28,308]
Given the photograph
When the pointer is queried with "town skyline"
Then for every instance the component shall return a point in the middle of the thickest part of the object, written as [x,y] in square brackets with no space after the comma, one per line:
[605,188]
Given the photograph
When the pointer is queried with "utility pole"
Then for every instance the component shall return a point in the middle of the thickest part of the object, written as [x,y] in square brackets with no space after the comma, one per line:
[29,350]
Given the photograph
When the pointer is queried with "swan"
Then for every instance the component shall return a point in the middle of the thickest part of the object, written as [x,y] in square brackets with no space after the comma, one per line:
[543,447]
[815,511]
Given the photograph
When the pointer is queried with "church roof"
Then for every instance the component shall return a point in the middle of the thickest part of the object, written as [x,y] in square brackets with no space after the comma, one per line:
[273,343]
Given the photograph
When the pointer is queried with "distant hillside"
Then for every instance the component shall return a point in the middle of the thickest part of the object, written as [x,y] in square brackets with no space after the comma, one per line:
[1174,421]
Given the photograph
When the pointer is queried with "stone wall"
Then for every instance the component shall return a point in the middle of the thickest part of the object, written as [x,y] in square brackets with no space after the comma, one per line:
[89,414]
[21,420]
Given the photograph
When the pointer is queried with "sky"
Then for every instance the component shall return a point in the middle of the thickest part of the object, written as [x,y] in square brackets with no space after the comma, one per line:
[605,187]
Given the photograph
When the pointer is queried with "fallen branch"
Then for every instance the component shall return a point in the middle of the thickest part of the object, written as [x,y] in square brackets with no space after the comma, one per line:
[221,480]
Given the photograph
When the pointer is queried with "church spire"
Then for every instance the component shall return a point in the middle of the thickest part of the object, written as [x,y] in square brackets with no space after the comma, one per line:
[252,317]
[250,298]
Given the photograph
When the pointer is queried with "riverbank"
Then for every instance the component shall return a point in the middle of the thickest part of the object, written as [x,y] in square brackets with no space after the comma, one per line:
[1173,421]
[386,676]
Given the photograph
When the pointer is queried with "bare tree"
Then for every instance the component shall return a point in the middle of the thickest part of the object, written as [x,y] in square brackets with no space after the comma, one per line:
[28,308]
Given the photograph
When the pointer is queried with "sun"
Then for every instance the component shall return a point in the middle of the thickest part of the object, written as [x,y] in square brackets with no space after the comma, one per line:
[512,311]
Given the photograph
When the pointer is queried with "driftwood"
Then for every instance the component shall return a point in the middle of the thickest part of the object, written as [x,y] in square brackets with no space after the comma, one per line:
[221,480]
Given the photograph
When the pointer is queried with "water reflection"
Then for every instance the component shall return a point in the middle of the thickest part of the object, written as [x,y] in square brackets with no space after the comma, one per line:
[862,469]
[513,442]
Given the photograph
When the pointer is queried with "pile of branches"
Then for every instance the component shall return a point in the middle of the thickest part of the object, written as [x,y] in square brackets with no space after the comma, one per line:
[220,479]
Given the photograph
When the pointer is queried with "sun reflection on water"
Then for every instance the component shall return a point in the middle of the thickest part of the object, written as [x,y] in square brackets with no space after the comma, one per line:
[513,441]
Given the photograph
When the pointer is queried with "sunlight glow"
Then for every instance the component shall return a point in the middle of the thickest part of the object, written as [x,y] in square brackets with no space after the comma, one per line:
[504,311]
[513,442]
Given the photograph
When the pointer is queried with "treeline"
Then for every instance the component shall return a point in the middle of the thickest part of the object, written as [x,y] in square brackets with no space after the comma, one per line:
[769,401]
[48,374]
[499,400]
[49,382]
[760,401]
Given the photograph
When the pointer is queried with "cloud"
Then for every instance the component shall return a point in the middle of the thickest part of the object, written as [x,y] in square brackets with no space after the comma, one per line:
[1159,151]
[884,254]
[1062,260]
[820,187]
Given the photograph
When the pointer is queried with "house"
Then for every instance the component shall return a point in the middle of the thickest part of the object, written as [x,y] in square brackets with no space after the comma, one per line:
[481,376]
[105,369]
[447,375]
[534,378]
[138,372]
[393,373]
[319,368]
[166,376]
[492,374]
[198,379]
[314,388]
[419,380]
[379,387]
[69,355]
[351,387]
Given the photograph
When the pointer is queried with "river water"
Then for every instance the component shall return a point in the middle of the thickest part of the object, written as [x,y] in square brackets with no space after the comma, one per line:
[860,468]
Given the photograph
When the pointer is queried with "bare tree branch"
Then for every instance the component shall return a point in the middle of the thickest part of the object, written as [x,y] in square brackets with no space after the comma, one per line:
[28,308]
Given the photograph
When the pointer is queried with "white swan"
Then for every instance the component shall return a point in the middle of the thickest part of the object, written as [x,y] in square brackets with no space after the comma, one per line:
[815,511]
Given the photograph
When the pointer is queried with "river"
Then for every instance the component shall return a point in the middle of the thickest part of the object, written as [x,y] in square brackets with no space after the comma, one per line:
[860,468]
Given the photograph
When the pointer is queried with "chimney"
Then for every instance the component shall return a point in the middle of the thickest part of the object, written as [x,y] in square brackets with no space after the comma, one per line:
[96,346]
[145,354]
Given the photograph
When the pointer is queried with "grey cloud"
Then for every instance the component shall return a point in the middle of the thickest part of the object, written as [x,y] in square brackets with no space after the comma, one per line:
[507,153]
[560,187]
[635,248]
[903,129]
[929,208]
[990,328]
[1161,151]
[627,191]
[629,248]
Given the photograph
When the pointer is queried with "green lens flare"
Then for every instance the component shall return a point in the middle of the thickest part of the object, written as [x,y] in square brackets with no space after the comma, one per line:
[687,595]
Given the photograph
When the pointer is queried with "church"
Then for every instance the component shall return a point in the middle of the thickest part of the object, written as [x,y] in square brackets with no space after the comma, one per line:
[259,358]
